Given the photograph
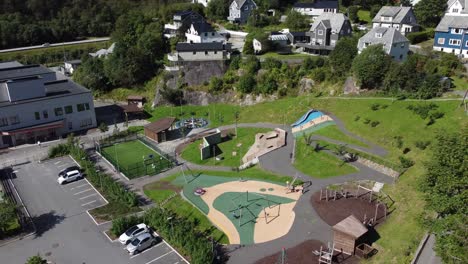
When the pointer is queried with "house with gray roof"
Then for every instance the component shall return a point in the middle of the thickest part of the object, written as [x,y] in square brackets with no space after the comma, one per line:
[240,10]
[451,34]
[393,42]
[399,17]
[325,32]
[181,22]
[202,32]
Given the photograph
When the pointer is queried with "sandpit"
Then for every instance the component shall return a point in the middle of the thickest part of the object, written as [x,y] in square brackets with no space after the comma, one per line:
[278,223]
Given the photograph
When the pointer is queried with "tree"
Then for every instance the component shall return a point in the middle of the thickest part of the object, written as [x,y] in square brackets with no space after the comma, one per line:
[429,12]
[218,9]
[246,83]
[297,21]
[370,66]
[445,188]
[91,74]
[374,10]
[36,260]
[353,13]
[341,58]
[7,215]
[216,84]
[430,87]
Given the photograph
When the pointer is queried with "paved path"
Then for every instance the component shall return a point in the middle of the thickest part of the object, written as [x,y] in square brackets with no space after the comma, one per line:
[57,44]
[428,255]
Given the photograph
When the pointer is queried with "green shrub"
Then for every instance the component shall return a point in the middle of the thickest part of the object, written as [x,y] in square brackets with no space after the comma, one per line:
[357,118]
[59,150]
[405,162]
[406,150]
[121,224]
[418,37]
[437,115]
[103,127]
[422,145]
[375,106]
[374,123]
[36,260]
[384,106]
[398,141]
[367,121]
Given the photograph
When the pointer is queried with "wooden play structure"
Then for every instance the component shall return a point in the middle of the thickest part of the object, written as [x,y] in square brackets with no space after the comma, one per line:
[346,235]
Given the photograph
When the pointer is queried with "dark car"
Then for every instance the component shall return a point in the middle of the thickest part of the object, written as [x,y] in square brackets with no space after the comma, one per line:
[66,170]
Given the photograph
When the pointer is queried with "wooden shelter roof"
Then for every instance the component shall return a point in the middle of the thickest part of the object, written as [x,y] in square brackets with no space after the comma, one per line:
[161,124]
[351,226]
[135,97]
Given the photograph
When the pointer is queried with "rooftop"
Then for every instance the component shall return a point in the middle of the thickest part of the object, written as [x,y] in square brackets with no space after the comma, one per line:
[22,71]
[161,124]
[318,5]
[448,22]
[398,13]
[202,27]
[213,46]
[335,21]
[351,226]
[388,37]
[9,64]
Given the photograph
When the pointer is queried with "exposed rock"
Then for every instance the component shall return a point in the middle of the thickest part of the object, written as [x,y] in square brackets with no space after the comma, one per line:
[305,86]
[350,87]
[199,72]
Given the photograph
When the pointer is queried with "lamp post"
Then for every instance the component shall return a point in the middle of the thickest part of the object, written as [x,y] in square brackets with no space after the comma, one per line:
[172,227]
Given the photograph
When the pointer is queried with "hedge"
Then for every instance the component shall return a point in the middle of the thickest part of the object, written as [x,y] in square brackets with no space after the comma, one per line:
[418,37]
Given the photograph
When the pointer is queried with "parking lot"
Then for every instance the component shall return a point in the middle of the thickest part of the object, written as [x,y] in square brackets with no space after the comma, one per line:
[65,233]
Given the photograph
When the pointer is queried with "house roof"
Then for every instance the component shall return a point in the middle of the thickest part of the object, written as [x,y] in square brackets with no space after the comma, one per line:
[351,226]
[202,27]
[463,3]
[278,37]
[9,64]
[14,72]
[240,3]
[161,124]
[209,46]
[452,22]
[398,13]
[389,36]
[318,4]
[335,21]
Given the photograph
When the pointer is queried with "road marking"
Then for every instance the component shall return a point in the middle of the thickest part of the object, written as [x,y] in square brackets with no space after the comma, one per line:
[87,196]
[58,162]
[146,250]
[83,191]
[159,257]
[176,252]
[93,201]
[79,186]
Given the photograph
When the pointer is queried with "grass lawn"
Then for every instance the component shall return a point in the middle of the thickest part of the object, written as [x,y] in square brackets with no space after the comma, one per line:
[284,56]
[112,211]
[334,133]
[246,137]
[364,15]
[128,158]
[319,164]
[461,84]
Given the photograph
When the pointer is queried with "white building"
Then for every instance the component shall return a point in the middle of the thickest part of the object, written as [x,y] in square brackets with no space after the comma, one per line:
[316,8]
[457,8]
[394,43]
[203,2]
[35,105]
[202,32]
[399,17]
[210,51]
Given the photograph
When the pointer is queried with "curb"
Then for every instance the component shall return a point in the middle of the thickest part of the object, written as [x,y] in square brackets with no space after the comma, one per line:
[420,248]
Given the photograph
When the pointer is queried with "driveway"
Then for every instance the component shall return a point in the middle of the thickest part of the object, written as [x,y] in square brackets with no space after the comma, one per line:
[64,231]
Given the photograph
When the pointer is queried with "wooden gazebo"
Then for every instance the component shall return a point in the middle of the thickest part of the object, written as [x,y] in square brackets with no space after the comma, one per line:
[347,233]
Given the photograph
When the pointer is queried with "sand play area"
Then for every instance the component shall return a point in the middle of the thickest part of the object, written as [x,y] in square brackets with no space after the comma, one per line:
[247,211]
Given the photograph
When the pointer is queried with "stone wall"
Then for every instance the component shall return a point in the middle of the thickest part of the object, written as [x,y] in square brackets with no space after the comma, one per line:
[378,167]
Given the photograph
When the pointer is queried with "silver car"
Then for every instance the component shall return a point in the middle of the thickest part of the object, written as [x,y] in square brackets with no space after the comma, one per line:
[141,243]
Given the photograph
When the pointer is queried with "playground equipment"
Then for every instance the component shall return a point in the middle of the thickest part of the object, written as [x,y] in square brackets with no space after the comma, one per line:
[290,187]
[241,211]
[265,143]
[199,191]
[325,255]
[310,121]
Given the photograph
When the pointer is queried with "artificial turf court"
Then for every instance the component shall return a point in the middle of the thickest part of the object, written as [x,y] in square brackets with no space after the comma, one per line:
[132,159]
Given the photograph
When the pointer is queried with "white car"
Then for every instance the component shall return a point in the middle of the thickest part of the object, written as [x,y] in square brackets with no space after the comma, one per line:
[362,27]
[69,177]
[142,242]
[133,232]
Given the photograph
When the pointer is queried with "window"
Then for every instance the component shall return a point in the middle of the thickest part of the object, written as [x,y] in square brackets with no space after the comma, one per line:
[86,106]
[68,109]
[14,120]
[194,53]
[455,42]
[3,121]
[215,52]
[206,53]
[206,34]
[212,34]
[246,8]
[466,44]
[58,111]
[440,41]
[402,45]
[455,10]
[401,56]
[80,107]
[457,31]
[45,114]
[70,125]
[320,32]
[37,115]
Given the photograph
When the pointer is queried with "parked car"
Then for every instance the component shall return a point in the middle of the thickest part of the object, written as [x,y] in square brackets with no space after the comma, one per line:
[133,232]
[362,27]
[45,45]
[69,177]
[141,243]
[72,168]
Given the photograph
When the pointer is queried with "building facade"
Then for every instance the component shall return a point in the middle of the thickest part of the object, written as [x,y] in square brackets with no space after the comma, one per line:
[181,22]
[400,17]
[317,8]
[35,106]
[203,32]
[451,34]
[240,10]
[393,42]
[214,51]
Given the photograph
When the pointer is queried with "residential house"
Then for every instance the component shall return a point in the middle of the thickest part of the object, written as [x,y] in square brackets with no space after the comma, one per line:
[457,8]
[202,32]
[325,32]
[394,43]
[240,10]
[203,2]
[399,17]
[210,51]
[181,22]
[315,9]
[295,37]
[36,104]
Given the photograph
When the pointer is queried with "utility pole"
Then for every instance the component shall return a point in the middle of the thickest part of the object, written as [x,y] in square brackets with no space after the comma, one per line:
[236,116]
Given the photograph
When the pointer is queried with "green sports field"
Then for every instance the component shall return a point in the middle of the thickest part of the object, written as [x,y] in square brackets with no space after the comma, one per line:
[129,158]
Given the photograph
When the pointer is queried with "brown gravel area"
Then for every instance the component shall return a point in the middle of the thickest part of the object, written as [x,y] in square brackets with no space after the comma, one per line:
[302,254]
[333,212]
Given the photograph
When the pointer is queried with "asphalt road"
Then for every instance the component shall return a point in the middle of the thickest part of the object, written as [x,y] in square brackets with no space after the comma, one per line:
[57,44]
[65,232]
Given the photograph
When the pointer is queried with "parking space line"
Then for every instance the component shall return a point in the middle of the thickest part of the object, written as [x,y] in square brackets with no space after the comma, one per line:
[93,201]
[73,183]
[79,186]
[149,249]
[58,162]
[159,257]
[96,191]
[176,251]
[62,165]
[87,196]
[83,191]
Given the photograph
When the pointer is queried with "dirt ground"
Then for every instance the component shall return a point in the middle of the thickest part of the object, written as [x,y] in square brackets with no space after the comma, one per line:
[333,212]
[302,254]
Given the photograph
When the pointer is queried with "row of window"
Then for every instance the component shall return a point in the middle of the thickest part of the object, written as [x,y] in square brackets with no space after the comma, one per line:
[455,42]
[206,52]
[58,111]
[12,120]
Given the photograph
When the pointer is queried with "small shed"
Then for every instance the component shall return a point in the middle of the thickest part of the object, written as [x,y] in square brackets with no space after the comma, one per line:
[346,234]
[158,130]
[210,142]
[135,100]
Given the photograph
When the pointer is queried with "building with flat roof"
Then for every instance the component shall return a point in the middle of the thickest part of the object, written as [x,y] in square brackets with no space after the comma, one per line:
[36,105]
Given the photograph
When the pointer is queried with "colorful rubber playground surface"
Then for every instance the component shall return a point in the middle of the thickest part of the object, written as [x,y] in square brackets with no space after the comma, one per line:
[248,211]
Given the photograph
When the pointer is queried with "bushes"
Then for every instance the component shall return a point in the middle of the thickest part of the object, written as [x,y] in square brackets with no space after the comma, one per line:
[423,109]
[405,162]
[417,37]
[121,224]
[422,145]
[374,123]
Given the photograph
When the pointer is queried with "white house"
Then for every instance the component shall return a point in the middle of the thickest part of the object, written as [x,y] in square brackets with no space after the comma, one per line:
[399,17]
[240,10]
[203,2]
[202,32]
[457,8]
[210,51]
[394,43]
[316,8]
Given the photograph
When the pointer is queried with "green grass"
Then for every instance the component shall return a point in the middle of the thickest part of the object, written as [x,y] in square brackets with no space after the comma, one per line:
[112,211]
[427,44]
[284,56]
[364,15]
[461,84]
[128,158]
[245,225]
[319,164]
[245,137]
[158,196]
[334,132]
